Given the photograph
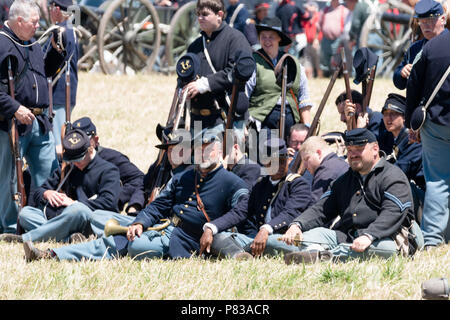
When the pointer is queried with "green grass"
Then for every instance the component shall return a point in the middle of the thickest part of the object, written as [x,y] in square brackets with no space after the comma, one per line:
[126,111]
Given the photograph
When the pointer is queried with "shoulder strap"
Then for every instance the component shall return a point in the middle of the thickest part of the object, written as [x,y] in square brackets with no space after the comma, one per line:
[292,176]
[200,204]
[262,55]
[208,58]
[438,87]
[235,13]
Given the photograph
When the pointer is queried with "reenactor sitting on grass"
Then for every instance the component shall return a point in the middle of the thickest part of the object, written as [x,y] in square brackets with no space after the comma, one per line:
[324,164]
[374,202]
[131,178]
[275,200]
[86,184]
[407,156]
[191,199]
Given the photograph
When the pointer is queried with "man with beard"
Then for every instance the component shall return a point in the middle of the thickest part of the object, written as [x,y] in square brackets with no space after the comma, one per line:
[373,200]
[192,198]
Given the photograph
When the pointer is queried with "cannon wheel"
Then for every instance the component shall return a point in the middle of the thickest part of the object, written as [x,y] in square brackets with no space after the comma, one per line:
[128,37]
[184,29]
[396,37]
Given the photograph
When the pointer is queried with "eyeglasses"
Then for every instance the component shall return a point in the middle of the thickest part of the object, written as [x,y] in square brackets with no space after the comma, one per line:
[428,21]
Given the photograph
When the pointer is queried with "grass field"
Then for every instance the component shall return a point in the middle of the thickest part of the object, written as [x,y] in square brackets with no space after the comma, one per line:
[126,111]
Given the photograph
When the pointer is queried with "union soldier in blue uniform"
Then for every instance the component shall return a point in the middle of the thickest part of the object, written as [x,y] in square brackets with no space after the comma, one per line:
[407,156]
[275,200]
[434,134]
[131,178]
[192,198]
[373,200]
[89,183]
[31,67]
[216,49]
[431,18]
[324,165]
[237,15]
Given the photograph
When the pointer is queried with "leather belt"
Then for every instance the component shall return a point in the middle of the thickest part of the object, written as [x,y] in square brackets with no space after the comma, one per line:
[204,112]
[35,111]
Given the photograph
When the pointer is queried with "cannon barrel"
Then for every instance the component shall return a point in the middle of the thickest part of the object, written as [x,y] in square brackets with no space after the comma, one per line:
[401,18]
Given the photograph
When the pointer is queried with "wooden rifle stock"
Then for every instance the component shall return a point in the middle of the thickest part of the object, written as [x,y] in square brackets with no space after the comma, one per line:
[230,115]
[20,196]
[351,123]
[163,166]
[314,124]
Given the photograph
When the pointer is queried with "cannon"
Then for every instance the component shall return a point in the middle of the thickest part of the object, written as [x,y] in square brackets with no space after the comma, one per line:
[388,32]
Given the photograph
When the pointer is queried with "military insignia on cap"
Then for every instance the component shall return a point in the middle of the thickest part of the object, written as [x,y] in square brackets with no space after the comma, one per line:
[74,140]
[185,65]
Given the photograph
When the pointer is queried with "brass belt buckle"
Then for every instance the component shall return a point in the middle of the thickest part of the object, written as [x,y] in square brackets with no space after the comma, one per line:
[205,112]
[37,111]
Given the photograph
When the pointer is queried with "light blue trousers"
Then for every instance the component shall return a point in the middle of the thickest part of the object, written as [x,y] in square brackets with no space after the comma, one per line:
[8,207]
[74,218]
[39,152]
[326,238]
[151,244]
[436,168]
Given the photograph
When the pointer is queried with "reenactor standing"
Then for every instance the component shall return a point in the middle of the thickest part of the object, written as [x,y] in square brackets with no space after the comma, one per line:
[431,126]
[216,49]
[431,20]
[30,67]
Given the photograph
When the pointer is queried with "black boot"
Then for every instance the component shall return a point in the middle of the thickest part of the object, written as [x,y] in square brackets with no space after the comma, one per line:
[225,246]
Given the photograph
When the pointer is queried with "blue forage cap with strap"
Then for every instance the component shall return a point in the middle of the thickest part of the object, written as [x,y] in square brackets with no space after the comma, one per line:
[75,145]
[363,61]
[428,8]
[359,137]
[395,102]
[86,125]
[187,68]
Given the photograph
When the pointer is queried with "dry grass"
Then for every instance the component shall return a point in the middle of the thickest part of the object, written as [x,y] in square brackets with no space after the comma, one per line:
[126,111]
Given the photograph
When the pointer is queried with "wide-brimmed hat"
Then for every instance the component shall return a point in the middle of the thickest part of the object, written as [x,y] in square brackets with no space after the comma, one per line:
[274,24]
[363,61]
